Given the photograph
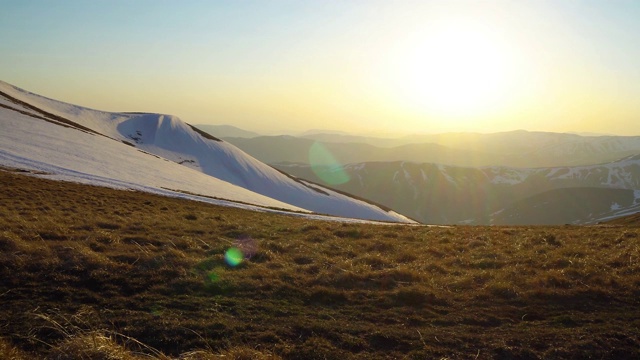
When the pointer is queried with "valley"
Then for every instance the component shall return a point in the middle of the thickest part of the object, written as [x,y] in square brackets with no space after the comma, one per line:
[442,194]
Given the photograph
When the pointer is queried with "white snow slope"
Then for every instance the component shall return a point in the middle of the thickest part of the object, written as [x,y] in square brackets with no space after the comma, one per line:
[168,156]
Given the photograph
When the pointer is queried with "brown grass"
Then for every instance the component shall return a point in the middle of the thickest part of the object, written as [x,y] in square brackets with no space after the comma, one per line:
[98,272]
[9,352]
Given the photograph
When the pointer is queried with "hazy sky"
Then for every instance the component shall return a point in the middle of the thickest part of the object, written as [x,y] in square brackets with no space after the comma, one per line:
[360,66]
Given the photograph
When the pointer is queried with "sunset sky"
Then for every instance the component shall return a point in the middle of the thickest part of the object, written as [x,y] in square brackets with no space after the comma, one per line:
[386,67]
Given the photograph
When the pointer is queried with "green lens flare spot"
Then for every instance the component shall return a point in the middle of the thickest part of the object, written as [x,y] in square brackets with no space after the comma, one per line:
[233,256]
[213,277]
[325,166]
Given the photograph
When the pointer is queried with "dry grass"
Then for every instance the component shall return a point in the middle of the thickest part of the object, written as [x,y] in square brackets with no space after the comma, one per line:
[9,352]
[127,275]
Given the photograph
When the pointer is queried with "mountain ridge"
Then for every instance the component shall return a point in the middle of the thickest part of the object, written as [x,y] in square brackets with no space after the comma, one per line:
[442,194]
[515,149]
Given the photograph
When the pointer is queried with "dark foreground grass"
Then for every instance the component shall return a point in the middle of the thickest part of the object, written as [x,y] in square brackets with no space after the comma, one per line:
[94,273]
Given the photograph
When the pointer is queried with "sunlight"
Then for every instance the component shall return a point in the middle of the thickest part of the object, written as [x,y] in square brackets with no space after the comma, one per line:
[454,69]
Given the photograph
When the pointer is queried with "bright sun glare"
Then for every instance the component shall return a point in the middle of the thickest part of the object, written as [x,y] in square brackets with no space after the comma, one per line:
[454,70]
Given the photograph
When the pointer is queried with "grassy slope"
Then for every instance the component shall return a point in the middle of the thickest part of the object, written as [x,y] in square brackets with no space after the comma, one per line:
[629,220]
[86,270]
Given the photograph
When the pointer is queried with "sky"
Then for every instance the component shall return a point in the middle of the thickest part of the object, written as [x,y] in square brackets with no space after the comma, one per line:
[368,67]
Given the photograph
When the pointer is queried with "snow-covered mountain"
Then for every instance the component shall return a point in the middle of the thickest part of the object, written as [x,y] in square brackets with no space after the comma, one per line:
[153,152]
[440,194]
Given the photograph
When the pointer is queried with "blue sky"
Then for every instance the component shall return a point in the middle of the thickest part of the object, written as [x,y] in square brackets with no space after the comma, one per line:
[345,65]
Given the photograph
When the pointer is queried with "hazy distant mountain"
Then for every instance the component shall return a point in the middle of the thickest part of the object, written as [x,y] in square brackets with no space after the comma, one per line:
[222,131]
[348,138]
[441,194]
[312,132]
[587,133]
[156,153]
[515,149]
[285,148]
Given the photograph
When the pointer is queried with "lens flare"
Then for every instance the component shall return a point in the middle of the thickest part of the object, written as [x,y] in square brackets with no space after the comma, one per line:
[233,257]
[325,166]
[213,277]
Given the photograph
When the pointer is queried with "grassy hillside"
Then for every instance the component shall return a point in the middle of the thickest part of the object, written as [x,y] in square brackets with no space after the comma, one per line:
[565,206]
[94,273]
[632,220]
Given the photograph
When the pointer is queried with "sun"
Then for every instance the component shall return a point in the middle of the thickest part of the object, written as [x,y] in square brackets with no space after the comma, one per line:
[454,70]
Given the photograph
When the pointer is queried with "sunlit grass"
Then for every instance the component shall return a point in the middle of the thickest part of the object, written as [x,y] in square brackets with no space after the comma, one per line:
[97,271]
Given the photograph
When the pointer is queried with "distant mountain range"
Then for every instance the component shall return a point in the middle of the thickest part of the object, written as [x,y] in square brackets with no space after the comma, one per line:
[514,149]
[157,153]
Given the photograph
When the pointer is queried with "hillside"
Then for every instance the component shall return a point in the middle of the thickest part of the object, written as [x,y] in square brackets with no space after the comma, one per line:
[92,272]
[564,206]
[153,152]
[629,220]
